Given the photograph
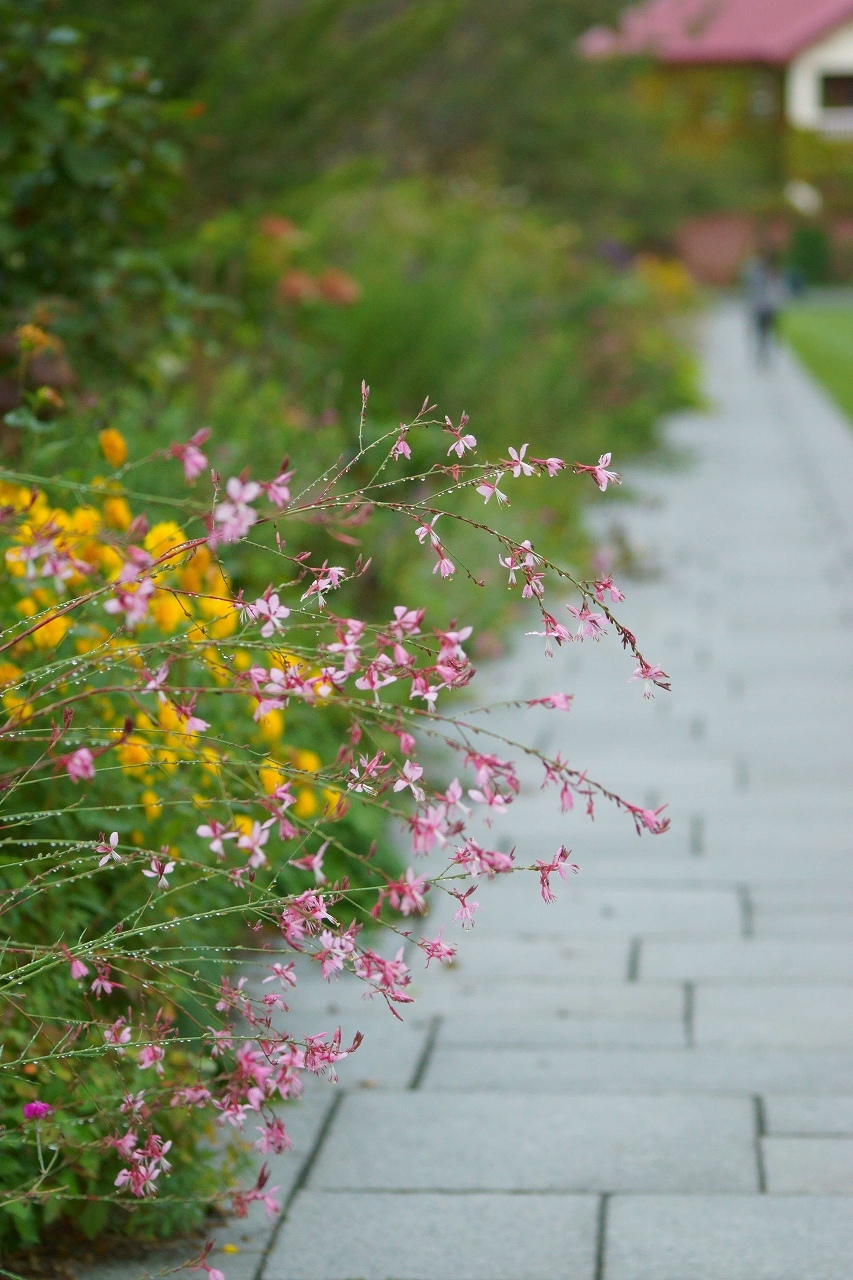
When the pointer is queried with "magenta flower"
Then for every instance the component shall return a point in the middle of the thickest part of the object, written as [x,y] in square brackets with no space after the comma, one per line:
[190,454]
[36,1110]
[80,766]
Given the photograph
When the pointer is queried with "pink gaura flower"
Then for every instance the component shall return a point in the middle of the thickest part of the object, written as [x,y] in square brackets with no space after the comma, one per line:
[465,914]
[190,454]
[425,531]
[488,488]
[603,586]
[401,448]
[274,1137]
[312,862]
[551,465]
[408,895]
[558,866]
[553,630]
[650,675]
[444,566]
[108,849]
[407,622]
[557,701]
[254,841]
[194,1095]
[36,1110]
[328,578]
[476,860]
[591,626]
[151,1055]
[160,869]
[517,464]
[461,442]
[278,490]
[216,832]
[599,472]
[436,949]
[493,799]
[268,609]
[411,773]
[117,1035]
[132,600]
[80,765]
[78,969]
[283,973]
[235,517]
[103,984]
[650,819]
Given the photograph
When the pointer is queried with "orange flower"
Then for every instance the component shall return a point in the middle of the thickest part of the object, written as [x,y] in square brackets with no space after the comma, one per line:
[113,446]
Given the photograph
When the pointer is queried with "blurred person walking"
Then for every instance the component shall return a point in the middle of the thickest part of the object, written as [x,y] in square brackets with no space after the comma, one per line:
[765,292]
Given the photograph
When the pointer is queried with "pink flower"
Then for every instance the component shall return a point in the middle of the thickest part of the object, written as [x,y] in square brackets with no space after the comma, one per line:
[401,446]
[411,773]
[559,866]
[108,849]
[489,487]
[557,701]
[103,984]
[132,600]
[236,517]
[283,972]
[190,454]
[36,1110]
[487,796]
[254,842]
[551,465]
[650,675]
[591,626]
[274,1137]
[78,969]
[465,914]
[278,490]
[436,949]
[599,473]
[461,442]
[160,869]
[444,566]
[312,862]
[269,608]
[216,832]
[517,464]
[408,895]
[602,586]
[407,622]
[151,1055]
[80,765]
[117,1034]
[554,629]
[650,819]
[329,578]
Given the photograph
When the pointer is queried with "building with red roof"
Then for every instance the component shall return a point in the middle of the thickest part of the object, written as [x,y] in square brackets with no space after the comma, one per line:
[808,44]
[761,91]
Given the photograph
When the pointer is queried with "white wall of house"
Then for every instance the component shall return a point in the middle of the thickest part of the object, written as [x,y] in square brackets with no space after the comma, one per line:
[833,55]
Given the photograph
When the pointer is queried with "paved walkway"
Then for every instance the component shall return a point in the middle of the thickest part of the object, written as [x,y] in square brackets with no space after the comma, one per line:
[651,1079]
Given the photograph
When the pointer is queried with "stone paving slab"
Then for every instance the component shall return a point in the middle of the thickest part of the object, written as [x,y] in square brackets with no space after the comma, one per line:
[782,1014]
[749,960]
[514,1142]
[452,993]
[710,1071]
[544,1032]
[808,1166]
[729,1238]
[603,911]
[437,1237]
[544,958]
[798,1114]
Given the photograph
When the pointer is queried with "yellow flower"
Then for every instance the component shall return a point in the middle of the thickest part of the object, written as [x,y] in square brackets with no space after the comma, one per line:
[8,672]
[117,513]
[163,537]
[209,761]
[110,561]
[243,823]
[134,753]
[26,607]
[242,659]
[307,761]
[168,716]
[50,633]
[17,706]
[334,803]
[271,725]
[167,610]
[151,804]
[271,776]
[216,600]
[113,446]
[85,521]
[192,574]
[307,803]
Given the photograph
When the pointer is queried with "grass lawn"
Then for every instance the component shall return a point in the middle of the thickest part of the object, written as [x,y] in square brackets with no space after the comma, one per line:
[822,337]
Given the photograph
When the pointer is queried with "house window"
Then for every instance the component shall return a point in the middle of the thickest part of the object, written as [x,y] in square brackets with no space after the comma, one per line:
[837,91]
